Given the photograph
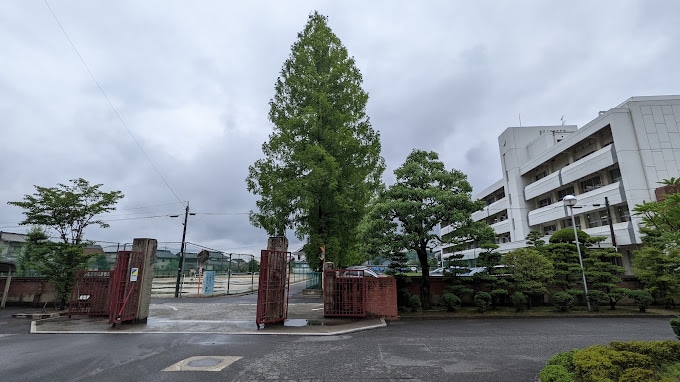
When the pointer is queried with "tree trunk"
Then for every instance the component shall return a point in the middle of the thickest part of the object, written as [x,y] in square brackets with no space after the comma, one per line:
[425,285]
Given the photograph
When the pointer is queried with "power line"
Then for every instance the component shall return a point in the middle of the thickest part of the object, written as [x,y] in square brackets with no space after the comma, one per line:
[110,103]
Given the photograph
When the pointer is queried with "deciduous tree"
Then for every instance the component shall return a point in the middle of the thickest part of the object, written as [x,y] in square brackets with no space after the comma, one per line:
[322,163]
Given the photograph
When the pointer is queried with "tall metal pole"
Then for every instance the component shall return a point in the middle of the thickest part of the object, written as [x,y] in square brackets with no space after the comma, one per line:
[181,256]
[580,259]
[611,223]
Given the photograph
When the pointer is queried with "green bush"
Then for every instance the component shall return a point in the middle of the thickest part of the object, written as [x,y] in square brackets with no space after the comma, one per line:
[596,299]
[642,299]
[458,290]
[519,300]
[564,359]
[414,303]
[451,302]
[659,351]
[482,301]
[675,324]
[563,301]
[600,363]
[556,373]
[636,374]
[497,296]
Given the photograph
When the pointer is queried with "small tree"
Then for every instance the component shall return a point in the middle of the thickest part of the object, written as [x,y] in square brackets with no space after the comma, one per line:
[603,274]
[530,270]
[659,271]
[67,209]
[424,195]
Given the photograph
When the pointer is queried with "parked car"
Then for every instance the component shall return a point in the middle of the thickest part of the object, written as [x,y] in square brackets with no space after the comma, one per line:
[355,271]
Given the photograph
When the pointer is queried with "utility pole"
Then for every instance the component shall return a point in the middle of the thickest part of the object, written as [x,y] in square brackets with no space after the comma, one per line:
[180,268]
[611,223]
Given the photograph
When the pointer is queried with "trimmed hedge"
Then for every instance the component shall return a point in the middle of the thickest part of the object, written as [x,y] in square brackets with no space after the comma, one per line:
[633,361]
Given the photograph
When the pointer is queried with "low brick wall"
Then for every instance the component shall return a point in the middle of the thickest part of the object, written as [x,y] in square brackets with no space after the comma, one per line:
[28,290]
[381,296]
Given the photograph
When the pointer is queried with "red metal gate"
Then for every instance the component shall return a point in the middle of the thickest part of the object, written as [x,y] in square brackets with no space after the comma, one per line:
[125,289]
[273,286]
[90,293]
[344,293]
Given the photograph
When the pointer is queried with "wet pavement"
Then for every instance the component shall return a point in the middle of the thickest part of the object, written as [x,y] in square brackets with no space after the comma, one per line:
[205,316]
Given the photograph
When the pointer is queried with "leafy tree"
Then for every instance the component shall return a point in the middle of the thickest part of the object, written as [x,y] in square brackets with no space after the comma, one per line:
[68,209]
[405,215]
[564,256]
[602,273]
[253,265]
[535,239]
[659,271]
[322,163]
[530,270]
[100,263]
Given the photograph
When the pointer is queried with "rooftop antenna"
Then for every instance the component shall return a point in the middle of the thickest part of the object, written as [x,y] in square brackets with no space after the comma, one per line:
[563,120]
[520,119]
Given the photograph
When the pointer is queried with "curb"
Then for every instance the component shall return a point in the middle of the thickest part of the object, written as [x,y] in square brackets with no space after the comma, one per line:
[36,316]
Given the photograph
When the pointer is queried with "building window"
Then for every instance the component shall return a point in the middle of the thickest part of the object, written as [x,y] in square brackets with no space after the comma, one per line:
[591,184]
[542,174]
[622,213]
[615,175]
[544,202]
[566,223]
[549,229]
[564,192]
[597,219]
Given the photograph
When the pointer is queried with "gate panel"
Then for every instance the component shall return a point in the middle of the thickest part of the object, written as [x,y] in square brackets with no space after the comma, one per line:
[273,286]
[344,293]
[125,289]
[90,293]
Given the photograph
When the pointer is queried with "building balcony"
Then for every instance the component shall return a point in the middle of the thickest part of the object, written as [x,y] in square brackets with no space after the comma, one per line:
[589,201]
[542,186]
[491,209]
[502,226]
[583,167]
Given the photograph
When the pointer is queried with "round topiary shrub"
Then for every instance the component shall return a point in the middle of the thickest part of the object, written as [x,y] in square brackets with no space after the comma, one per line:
[563,301]
[451,302]
[597,298]
[642,299]
[414,303]
[482,301]
[519,300]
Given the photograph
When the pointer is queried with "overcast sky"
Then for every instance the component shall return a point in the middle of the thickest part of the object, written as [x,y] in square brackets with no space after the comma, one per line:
[191,80]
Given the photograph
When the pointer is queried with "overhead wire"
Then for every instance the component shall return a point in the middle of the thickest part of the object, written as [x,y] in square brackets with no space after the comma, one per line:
[101,89]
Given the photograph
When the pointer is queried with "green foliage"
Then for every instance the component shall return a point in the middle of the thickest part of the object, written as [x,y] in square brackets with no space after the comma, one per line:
[405,215]
[659,351]
[497,295]
[564,359]
[566,265]
[451,302]
[675,325]
[603,274]
[670,372]
[535,239]
[482,301]
[637,374]
[601,363]
[556,373]
[530,271]
[662,218]
[322,162]
[68,209]
[100,263]
[414,303]
[563,301]
[596,299]
[519,301]
[659,270]
[566,235]
[458,290]
[642,299]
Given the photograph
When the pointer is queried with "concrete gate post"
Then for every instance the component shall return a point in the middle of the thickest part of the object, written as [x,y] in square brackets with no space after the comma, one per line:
[277,243]
[148,248]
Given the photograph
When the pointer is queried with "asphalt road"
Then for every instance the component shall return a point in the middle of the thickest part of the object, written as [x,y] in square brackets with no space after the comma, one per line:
[437,350]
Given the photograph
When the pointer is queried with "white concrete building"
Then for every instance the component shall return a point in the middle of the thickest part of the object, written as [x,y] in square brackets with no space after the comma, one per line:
[620,156]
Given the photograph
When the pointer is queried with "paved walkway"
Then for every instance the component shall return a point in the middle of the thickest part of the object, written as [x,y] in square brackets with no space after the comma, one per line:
[207,317]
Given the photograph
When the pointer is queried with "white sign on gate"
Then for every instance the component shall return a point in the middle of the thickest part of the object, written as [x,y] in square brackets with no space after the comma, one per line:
[134,273]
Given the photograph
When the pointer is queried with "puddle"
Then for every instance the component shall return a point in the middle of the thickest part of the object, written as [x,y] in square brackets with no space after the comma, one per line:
[299,322]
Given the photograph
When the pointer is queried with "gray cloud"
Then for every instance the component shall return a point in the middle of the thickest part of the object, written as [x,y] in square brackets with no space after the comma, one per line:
[193,81]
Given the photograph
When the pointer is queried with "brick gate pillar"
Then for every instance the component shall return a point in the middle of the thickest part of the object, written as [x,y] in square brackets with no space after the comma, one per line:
[148,248]
[277,243]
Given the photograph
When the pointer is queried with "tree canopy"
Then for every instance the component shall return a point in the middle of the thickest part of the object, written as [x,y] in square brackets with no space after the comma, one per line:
[68,208]
[322,163]
[405,215]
